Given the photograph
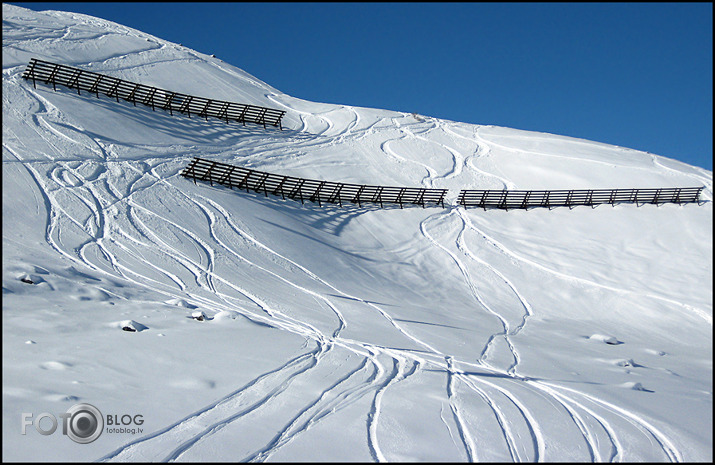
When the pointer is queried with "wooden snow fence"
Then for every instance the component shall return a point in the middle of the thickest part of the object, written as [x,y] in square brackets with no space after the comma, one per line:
[520,199]
[75,78]
[308,189]
[334,192]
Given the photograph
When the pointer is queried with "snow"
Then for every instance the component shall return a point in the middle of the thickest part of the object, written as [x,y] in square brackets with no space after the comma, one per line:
[328,333]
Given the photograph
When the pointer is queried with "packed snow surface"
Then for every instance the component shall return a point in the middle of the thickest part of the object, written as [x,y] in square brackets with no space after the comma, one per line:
[243,327]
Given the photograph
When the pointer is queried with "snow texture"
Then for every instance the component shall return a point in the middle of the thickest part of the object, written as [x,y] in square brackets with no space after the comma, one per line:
[260,329]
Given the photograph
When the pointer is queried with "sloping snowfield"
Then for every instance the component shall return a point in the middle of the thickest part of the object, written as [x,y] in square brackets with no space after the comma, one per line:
[332,334]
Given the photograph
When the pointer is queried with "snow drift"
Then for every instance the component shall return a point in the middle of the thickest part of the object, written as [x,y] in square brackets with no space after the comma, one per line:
[263,329]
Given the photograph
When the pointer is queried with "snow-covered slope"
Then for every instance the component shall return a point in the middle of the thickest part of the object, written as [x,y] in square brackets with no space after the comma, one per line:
[335,334]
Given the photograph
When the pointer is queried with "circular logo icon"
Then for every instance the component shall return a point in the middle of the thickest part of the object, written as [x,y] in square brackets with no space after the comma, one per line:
[85,423]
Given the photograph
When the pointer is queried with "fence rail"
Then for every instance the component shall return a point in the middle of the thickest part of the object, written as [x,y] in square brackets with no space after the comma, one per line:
[569,198]
[309,189]
[75,78]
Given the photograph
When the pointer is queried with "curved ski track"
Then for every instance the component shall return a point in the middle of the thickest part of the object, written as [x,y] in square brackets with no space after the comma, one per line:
[511,398]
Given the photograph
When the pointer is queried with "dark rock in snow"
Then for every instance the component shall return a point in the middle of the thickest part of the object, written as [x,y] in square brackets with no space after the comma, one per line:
[199,315]
[132,326]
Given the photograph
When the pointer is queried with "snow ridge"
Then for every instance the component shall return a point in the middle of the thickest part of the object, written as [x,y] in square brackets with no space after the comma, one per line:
[334,334]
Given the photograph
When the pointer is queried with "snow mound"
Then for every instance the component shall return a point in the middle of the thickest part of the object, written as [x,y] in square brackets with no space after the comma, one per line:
[611,340]
[180,303]
[130,326]
[344,334]
[636,386]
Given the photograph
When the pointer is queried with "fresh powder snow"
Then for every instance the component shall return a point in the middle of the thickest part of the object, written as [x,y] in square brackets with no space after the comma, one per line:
[211,324]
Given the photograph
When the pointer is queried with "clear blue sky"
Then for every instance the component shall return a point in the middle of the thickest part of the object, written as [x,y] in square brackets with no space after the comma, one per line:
[638,75]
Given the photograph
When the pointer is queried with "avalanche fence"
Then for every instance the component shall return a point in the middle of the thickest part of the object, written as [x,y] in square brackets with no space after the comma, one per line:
[334,192]
[309,189]
[523,199]
[75,78]
[324,191]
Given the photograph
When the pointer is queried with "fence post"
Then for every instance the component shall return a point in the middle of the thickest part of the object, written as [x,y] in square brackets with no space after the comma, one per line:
[502,201]
[151,98]
[483,201]
[192,169]
[52,77]
[421,198]
[32,72]
[526,200]
[185,104]
[399,197]
[209,174]
[245,179]
[242,118]
[205,112]
[114,90]
[568,199]
[461,199]
[280,187]
[227,176]
[131,97]
[168,103]
[95,86]
[336,195]
[262,182]
[75,79]
[316,194]
[297,190]
[377,197]
[262,118]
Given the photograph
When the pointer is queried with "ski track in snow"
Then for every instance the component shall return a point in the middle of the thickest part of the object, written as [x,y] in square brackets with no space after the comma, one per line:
[177,438]
[222,413]
[197,271]
[380,369]
[184,435]
[468,219]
